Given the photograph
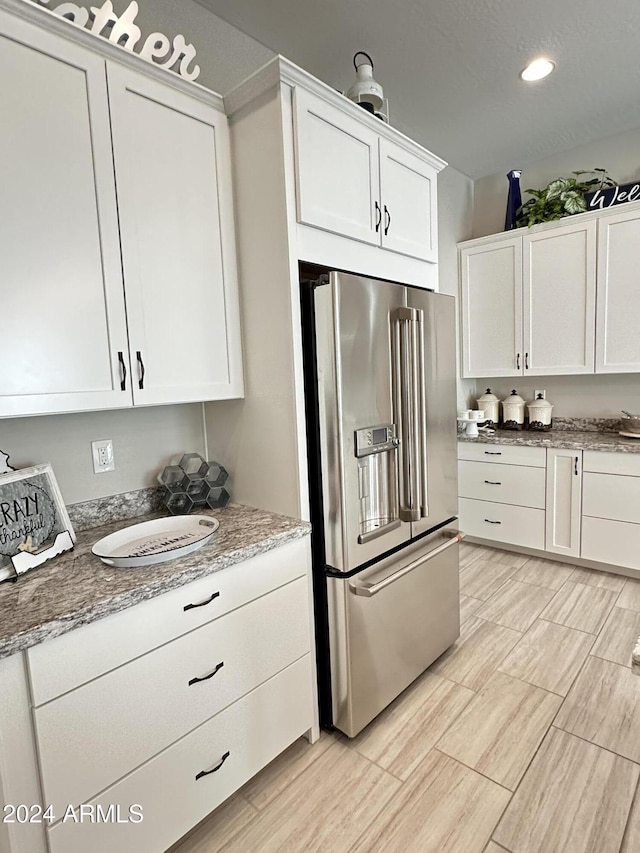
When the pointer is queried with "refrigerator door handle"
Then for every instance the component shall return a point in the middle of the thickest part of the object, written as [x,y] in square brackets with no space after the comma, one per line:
[407,379]
[422,420]
[373,589]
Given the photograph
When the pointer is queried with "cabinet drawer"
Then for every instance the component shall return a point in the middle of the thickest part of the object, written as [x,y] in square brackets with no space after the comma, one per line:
[66,662]
[505,454]
[509,484]
[613,542]
[125,717]
[611,496]
[515,525]
[612,463]
[253,731]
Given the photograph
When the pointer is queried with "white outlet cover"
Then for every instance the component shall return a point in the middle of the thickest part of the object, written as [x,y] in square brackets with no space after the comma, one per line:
[103,458]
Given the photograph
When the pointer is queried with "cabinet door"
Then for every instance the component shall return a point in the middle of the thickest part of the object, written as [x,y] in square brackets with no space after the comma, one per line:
[491,304]
[564,495]
[176,225]
[337,170]
[617,338]
[409,203]
[559,287]
[61,283]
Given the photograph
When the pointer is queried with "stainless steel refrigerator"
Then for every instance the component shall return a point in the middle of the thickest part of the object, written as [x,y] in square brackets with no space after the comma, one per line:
[381,406]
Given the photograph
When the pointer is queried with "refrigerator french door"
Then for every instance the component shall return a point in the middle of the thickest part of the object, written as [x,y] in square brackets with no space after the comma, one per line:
[380,394]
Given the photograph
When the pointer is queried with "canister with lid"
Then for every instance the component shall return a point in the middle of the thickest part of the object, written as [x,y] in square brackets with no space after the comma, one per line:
[540,414]
[491,406]
[513,411]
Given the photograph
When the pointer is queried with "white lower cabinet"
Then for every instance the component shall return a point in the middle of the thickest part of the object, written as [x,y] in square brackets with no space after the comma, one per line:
[564,498]
[217,682]
[611,509]
[502,493]
[182,784]
[578,504]
[514,525]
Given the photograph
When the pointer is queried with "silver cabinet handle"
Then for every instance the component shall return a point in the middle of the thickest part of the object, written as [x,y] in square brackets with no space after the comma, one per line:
[373,589]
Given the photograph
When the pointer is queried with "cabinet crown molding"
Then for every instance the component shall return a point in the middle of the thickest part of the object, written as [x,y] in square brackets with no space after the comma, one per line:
[48,20]
[577,219]
[281,70]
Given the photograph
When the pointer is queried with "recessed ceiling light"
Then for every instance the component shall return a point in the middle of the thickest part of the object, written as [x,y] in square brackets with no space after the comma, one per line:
[537,69]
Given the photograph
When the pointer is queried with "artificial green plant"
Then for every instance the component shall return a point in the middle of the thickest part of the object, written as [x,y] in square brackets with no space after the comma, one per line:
[562,197]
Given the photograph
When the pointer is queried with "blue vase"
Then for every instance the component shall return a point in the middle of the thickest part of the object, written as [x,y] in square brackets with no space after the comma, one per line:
[514,199]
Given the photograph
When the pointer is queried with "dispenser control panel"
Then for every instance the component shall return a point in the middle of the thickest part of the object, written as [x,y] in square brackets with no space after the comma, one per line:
[375,439]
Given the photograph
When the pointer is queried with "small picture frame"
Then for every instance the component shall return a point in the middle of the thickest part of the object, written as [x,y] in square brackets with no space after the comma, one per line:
[34,523]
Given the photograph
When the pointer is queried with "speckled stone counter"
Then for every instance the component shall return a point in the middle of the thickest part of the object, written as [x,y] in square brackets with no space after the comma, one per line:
[77,588]
[568,439]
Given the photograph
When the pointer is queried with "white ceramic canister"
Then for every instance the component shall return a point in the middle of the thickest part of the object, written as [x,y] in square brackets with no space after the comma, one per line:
[491,406]
[513,411]
[540,413]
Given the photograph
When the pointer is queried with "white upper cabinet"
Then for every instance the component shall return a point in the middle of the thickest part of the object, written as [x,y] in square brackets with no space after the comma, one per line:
[491,300]
[352,181]
[528,302]
[559,294]
[63,344]
[337,170]
[409,203]
[617,333]
[80,334]
[172,171]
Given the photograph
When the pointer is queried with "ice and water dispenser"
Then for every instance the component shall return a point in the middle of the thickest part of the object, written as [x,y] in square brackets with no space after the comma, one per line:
[376,457]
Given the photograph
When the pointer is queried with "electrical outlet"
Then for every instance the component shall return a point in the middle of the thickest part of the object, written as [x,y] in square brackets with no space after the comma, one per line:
[103,458]
[544,394]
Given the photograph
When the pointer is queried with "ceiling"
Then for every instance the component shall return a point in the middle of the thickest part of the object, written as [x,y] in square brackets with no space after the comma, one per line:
[450,68]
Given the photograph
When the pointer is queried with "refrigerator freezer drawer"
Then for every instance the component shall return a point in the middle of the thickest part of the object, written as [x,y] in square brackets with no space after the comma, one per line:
[387,625]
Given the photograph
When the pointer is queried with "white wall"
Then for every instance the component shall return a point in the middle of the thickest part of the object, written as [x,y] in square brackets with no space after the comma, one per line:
[455,215]
[225,55]
[619,154]
[144,441]
[574,396]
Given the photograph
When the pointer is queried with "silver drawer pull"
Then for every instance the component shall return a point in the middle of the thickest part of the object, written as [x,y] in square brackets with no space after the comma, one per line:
[207,677]
[493,453]
[488,520]
[493,483]
[213,769]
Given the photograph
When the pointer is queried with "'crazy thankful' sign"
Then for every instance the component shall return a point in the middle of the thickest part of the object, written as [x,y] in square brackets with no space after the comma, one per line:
[122,30]
[34,523]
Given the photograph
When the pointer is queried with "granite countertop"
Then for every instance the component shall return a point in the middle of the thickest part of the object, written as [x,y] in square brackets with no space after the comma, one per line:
[563,438]
[77,588]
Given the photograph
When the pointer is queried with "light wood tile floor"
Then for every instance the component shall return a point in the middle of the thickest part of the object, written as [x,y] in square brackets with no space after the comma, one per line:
[524,737]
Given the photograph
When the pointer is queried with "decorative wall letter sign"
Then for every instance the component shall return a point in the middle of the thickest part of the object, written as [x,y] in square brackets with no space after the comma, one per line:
[121,30]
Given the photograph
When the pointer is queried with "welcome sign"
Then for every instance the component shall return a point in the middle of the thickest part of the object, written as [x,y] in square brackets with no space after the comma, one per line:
[611,196]
[33,519]
[122,30]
